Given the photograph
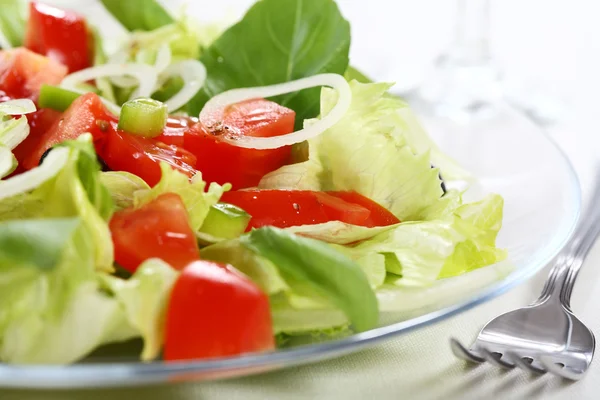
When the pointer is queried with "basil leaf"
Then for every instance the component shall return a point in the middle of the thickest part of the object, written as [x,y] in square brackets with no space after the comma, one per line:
[317,269]
[36,242]
[12,21]
[140,15]
[278,41]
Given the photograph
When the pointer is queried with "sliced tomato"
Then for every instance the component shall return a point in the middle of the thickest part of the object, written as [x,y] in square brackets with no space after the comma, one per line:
[22,73]
[284,208]
[86,114]
[140,156]
[158,229]
[222,162]
[59,34]
[380,216]
[215,311]
[175,130]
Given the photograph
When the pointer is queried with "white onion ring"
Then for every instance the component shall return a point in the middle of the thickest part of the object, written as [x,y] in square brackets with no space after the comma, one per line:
[31,179]
[14,131]
[237,95]
[193,74]
[145,75]
[17,107]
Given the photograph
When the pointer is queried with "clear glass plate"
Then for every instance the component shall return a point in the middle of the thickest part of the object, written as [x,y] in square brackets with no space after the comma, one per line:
[507,155]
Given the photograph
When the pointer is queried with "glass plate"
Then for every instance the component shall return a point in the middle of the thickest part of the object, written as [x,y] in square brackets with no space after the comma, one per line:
[506,153]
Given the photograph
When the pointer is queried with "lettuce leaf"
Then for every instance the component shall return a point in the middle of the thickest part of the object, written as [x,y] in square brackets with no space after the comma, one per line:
[12,21]
[417,253]
[122,187]
[54,241]
[367,152]
[196,199]
[145,297]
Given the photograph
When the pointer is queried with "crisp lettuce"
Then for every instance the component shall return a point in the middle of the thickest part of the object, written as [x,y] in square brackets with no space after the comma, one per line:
[54,239]
[366,152]
[122,187]
[196,199]
[59,302]
[145,297]
[301,274]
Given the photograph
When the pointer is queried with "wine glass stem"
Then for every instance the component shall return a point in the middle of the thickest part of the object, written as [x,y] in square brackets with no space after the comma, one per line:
[472,31]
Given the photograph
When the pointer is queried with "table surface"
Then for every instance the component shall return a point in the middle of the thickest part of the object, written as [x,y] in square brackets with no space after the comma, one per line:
[550,45]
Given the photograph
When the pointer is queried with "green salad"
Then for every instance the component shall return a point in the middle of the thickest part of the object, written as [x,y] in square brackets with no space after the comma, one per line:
[213,191]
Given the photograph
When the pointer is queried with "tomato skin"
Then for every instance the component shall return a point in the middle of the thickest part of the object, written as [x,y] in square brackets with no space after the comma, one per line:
[285,208]
[380,216]
[222,162]
[122,151]
[175,130]
[59,34]
[159,229]
[215,311]
[23,72]
[86,114]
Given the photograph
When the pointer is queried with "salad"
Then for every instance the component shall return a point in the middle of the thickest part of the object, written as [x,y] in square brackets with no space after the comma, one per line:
[214,192]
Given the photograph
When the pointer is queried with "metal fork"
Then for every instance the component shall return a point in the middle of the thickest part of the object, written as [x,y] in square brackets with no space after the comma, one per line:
[545,336]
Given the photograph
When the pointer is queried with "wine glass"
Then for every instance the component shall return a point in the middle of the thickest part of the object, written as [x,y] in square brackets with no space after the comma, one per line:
[467,81]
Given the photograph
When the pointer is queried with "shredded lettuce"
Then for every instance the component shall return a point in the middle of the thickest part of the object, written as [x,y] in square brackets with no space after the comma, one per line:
[145,297]
[54,239]
[366,152]
[196,199]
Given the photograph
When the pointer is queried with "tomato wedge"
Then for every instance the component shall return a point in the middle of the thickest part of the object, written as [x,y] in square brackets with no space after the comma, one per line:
[380,216]
[222,162]
[61,35]
[285,208]
[140,156]
[215,311]
[159,229]
[22,73]
[86,114]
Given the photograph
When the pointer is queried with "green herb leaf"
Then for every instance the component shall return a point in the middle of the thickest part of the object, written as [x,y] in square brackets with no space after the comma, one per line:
[278,41]
[143,15]
[317,270]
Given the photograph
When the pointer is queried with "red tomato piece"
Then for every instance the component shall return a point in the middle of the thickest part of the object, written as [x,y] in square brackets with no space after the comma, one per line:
[140,156]
[175,130]
[86,114]
[284,208]
[61,35]
[22,73]
[380,216]
[222,162]
[215,311]
[159,229]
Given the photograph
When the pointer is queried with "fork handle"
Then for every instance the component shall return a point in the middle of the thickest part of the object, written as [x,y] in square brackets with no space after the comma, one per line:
[581,243]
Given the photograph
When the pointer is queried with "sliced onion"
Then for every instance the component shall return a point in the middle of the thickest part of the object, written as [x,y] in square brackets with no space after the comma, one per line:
[237,95]
[13,131]
[193,74]
[8,162]
[163,58]
[31,179]
[17,107]
[145,75]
